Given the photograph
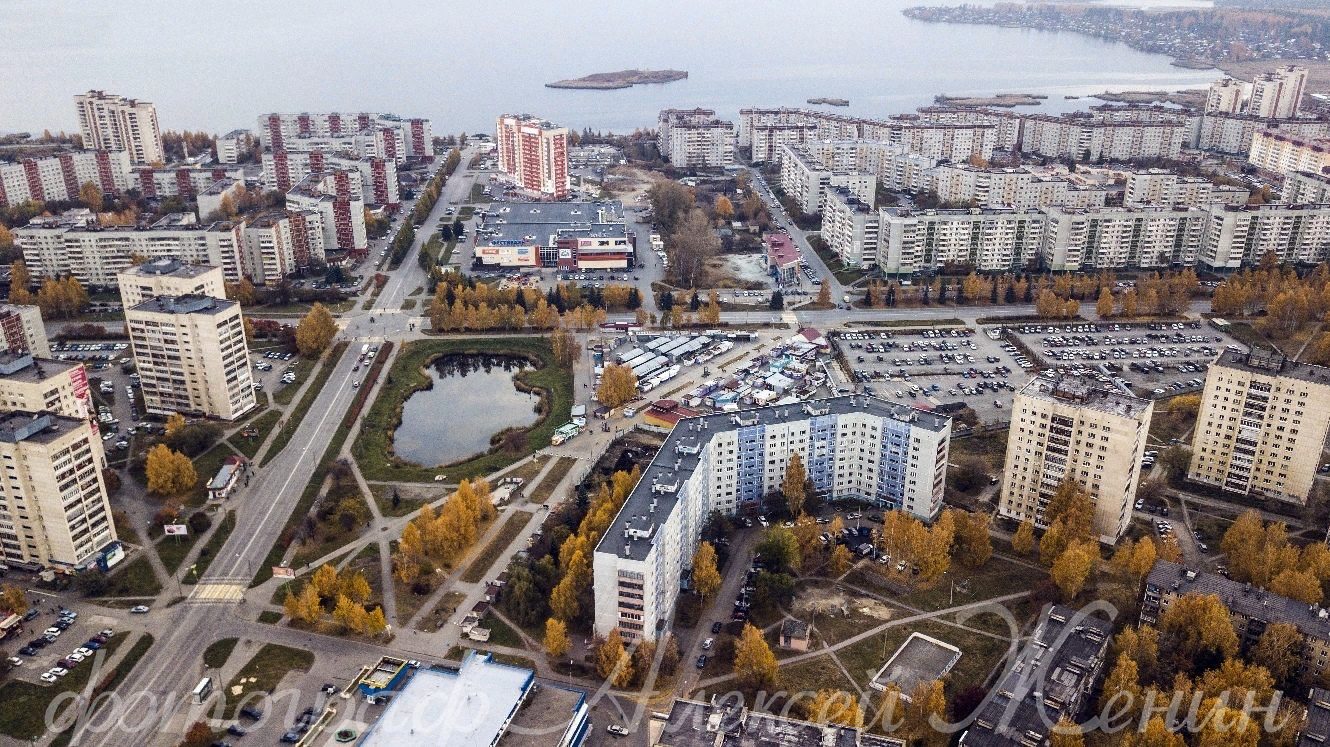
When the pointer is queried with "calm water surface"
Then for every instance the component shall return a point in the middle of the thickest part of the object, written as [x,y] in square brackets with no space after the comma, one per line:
[216,66]
[472,398]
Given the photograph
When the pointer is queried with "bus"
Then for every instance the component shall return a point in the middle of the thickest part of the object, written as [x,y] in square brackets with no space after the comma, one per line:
[202,690]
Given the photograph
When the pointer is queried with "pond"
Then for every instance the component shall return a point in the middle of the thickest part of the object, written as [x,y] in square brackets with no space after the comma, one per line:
[472,397]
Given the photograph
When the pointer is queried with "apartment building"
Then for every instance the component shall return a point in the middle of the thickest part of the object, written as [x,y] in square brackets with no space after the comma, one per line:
[891,455]
[1162,188]
[1278,93]
[1251,609]
[764,131]
[695,138]
[373,178]
[851,228]
[1006,124]
[22,330]
[385,136]
[191,356]
[332,196]
[61,245]
[180,181]
[168,276]
[1274,150]
[1071,427]
[276,246]
[54,510]
[60,177]
[1232,133]
[1018,188]
[1105,135]
[534,154]
[32,384]
[895,167]
[232,146]
[1112,238]
[1053,678]
[111,122]
[806,181]
[1237,237]
[566,235]
[1227,96]
[1306,188]
[1261,426]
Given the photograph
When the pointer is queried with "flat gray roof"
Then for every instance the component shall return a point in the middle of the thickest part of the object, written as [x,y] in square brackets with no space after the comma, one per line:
[35,427]
[1271,363]
[185,305]
[462,707]
[1240,598]
[554,212]
[1085,391]
[24,367]
[169,266]
[680,454]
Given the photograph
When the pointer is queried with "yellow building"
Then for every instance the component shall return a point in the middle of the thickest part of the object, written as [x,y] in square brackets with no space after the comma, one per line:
[191,356]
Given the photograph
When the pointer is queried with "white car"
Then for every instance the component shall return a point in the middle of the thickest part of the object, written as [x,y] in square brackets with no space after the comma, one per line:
[53,632]
[83,651]
[139,609]
[48,677]
[14,661]
[76,657]
[58,671]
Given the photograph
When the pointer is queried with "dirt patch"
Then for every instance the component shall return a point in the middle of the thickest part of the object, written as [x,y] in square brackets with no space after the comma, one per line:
[629,184]
[746,271]
[832,603]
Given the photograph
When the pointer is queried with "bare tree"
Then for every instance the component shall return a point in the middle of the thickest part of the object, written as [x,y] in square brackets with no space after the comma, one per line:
[690,246]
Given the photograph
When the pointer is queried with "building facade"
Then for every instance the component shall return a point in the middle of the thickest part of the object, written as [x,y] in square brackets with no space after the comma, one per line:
[1071,427]
[695,138]
[534,154]
[1261,426]
[22,330]
[1227,96]
[191,356]
[1274,150]
[54,510]
[806,181]
[375,179]
[891,455]
[1278,93]
[111,122]
[61,177]
[1161,188]
[362,133]
[1109,238]
[333,196]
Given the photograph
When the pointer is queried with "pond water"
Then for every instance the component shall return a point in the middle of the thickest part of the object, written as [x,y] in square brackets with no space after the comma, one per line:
[472,398]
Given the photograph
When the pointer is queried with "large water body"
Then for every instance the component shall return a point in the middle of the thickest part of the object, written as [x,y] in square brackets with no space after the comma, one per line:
[216,66]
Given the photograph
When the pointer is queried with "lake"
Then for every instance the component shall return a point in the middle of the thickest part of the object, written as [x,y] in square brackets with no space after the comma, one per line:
[472,398]
[214,66]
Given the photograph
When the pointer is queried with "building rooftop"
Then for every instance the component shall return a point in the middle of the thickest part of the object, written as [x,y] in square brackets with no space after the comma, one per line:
[1084,391]
[692,723]
[1242,599]
[656,493]
[1049,678]
[781,249]
[1317,729]
[190,304]
[35,427]
[553,212]
[169,266]
[1267,362]
[920,659]
[24,367]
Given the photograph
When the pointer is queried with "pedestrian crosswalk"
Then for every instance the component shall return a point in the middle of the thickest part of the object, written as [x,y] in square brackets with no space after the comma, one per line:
[218,591]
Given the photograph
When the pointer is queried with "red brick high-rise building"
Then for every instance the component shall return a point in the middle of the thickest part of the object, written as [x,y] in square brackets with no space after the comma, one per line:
[535,154]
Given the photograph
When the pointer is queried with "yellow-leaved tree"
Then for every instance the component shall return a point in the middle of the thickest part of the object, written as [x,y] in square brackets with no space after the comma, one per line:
[618,385]
[315,331]
[170,473]
[706,579]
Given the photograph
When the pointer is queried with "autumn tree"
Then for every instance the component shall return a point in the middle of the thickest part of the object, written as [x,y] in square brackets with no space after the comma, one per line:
[1022,542]
[612,660]
[840,561]
[754,663]
[670,202]
[690,245]
[174,422]
[972,546]
[324,581]
[1066,733]
[835,707]
[567,350]
[170,473]
[1279,651]
[925,713]
[1197,632]
[724,208]
[1155,734]
[91,196]
[710,313]
[303,607]
[1104,307]
[1122,687]
[315,331]
[824,295]
[796,477]
[199,734]
[20,283]
[1073,567]
[706,579]
[556,642]
[13,600]
[618,386]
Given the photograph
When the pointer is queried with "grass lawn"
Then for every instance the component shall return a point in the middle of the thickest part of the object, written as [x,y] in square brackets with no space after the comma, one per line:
[383,495]
[216,654]
[135,579]
[501,634]
[373,446]
[297,414]
[979,653]
[249,445]
[172,550]
[545,489]
[23,705]
[209,551]
[512,526]
[263,673]
[814,674]
[443,610]
[529,469]
[270,617]
[328,541]
[409,304]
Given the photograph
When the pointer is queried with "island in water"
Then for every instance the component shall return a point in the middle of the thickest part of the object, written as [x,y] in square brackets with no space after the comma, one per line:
[829,101]
[620,79]
[1001,99]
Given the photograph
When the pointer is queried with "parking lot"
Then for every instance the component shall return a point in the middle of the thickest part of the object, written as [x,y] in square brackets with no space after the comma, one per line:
[928,367]
[57,640]
[1156,359]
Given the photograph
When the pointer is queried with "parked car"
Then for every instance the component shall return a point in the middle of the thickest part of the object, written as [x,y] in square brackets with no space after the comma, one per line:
[139,609]
[617,730]
[702,661]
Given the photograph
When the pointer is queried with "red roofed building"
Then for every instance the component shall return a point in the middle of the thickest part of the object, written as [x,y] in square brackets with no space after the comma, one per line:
[782,258]
[666,413]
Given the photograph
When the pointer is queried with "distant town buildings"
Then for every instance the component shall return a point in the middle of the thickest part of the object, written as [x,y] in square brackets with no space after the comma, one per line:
[111,122]
[60,177]
[566,235]
[534,154]
[695,138]
[890,455]
[54,502]
[362,134]
[1071,427]
[1261,426]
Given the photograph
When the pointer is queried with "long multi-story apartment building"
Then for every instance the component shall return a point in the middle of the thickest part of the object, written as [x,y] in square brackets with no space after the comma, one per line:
[1233,133]
[33,384]
[60,177]
[695,138]
[1306,188]
[1007,124]
[1237,237]
[1261,426]
[182,181]
[191,356]
[1052,678]
[1274,150]
[1071,427]
[375,179]
[1105,135]
[806,180]
[1278,93]
[764,131]
[59,246]
[22,330]
[534,154]
[278,243]
[363,133]
[1111,238]
[895,167]
[1018,188]
[1163,188]
[891,455]
[169,276]
[54,510]
[340,206]
[1251,610]
[111,122]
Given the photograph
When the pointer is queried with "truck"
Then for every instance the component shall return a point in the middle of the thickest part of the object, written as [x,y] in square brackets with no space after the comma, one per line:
[565,432]
[364,349]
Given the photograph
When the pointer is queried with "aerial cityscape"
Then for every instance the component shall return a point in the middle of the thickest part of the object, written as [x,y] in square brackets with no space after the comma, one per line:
[803,411]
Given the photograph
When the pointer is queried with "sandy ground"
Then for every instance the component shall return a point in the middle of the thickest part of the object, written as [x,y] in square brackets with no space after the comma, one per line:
[738,270]
[830,602]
